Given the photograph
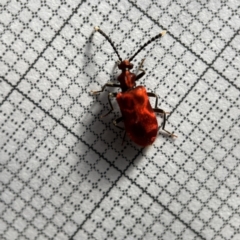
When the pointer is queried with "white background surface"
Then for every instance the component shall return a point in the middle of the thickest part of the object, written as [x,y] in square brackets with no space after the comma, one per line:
[64,172]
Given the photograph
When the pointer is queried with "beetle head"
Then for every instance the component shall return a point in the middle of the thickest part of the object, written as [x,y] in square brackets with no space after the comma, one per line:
[125,64]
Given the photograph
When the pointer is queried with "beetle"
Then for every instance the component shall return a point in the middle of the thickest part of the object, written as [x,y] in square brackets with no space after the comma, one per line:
[138,116]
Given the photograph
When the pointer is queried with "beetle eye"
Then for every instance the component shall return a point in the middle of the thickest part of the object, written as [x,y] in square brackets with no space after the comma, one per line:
[130,66]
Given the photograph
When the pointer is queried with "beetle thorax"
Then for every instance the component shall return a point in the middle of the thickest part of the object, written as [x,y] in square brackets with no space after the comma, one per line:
[126,78]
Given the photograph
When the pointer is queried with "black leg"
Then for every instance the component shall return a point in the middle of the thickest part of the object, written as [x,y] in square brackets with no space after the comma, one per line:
[156,102]
[140,69]
[108,84]
[110,95]
[154,95]
[124,137]
[158,110]
[115,122]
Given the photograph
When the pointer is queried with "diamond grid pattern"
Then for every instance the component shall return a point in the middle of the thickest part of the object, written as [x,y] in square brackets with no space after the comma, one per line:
[65,174]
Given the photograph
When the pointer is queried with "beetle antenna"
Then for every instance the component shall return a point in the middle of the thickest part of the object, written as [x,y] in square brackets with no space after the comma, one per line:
[109,40]
[143,46]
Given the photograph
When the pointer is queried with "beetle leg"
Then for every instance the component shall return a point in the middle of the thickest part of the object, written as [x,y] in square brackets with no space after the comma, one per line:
[110,95]
[123,137]
[108,84]
[141,63]
[150,94]
[140,69]
[158,110]
[153,95]
[115,122]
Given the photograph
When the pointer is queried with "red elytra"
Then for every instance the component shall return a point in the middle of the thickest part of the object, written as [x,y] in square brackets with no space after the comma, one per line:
[141,123]
[137,113]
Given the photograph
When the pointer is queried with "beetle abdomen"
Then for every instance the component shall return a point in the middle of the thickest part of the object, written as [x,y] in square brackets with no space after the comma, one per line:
[139,118]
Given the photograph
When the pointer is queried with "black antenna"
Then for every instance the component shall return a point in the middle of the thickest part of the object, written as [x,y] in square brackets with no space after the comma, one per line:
[109,40]
[151,40]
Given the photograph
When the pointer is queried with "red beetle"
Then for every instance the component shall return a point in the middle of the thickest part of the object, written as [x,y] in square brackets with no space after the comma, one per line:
[137,114]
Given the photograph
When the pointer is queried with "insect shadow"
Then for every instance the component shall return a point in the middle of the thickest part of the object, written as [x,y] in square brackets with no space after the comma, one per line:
[98,131]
